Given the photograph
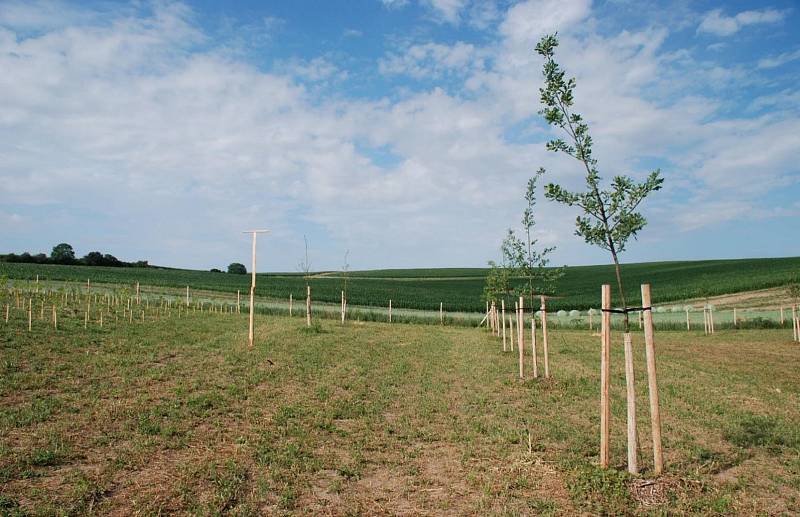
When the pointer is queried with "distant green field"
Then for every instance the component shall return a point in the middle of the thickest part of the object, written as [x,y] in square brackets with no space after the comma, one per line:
[459,289]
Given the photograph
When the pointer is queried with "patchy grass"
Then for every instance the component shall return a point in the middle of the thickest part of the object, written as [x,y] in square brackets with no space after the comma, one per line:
[180,416]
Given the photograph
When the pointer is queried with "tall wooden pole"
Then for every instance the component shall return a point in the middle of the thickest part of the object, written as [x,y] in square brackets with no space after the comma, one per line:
[605,374]
[545,349]
[503,309]
[254,233]
[652,383]
[308,305]
[630,392]
[187,295]
[533,344]
[521,338]
[390,310]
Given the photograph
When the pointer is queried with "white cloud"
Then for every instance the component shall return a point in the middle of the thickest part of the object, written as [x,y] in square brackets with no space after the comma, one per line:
[121,136]
[779,60]
[394,4]
[717,23]
[527,21]
[448,11]
[431,60]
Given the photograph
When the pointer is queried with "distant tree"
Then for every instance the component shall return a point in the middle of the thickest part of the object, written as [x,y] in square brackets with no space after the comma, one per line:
[236,268]
[525,260]
[609,216]
[140,263]
[111,260]
[63,254]
[93,258]
[215,270]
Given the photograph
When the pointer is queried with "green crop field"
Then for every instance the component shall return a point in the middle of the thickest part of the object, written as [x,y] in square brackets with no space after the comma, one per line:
[459,289]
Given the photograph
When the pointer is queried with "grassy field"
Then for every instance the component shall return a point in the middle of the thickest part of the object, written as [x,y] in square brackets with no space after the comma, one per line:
[179,416]
[458,289]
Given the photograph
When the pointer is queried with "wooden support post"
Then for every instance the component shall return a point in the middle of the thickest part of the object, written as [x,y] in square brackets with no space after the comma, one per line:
[794,323]
[781,315]
[545,347]
[390,310]
[254,233]
[503,308]
[511,331]
[711,319]
[590,321]
[55,318]
[441,313]
[137,293]
[533,345]
[290,304]
[688,327]
[521,338]
[187,295]
[30,314]
[605,374]
[101,319]
[630,395]
[342,307]
[308,305]
[7,309]
[238,302]
[734,318]
[652,383]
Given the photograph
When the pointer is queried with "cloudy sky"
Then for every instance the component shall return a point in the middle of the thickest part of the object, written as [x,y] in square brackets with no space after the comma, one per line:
[402,130]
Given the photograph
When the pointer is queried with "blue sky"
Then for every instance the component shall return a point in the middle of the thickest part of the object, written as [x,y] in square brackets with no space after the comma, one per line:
[401,130]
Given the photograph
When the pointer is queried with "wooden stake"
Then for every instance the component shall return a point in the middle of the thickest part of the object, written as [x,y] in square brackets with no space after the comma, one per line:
[605,374]
[503,305]
[734,317]
[688,327]
[533,346]
[441,314]
[390,310]
[290,305]
[342,307]
[308,305]
[521,338]
[138,300]
[711,319]
[254,233]
[794,323]
[101,319]
[7,309]
[238,302]
[55,318]
[630,392]
[30,314]
[545,349]
[590,322]
[781,315]
[511,332]
[187,295]
[652,383]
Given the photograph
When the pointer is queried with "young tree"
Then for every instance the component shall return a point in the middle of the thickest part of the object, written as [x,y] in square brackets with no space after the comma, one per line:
[609,217]
[498,282]
[305,265]
[523,257]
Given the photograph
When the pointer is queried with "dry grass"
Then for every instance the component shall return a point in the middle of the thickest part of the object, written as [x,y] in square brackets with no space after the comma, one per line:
[178,416]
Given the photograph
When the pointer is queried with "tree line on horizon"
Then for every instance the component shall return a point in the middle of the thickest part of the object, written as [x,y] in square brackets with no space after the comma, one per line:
[64,254]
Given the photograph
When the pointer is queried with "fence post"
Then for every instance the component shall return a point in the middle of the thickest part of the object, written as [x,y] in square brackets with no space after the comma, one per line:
[652,383]
[521,338]
[503,304]
[630,395]
[545,349]
[605,373]
[533,344]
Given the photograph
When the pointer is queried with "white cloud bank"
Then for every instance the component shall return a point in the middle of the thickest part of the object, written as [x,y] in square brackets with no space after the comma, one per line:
[138,136]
